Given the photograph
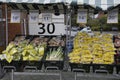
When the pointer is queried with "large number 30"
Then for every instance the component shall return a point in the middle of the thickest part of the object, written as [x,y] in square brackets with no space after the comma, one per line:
[50,28]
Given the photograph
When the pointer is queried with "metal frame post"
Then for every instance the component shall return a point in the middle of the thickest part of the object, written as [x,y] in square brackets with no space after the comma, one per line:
[12,75]
[6,12]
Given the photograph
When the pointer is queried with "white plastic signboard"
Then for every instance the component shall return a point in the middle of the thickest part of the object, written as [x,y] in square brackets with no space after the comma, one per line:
[33,16]
[91,13]
[112,16]
[82,16]
[15,16]
[46,17]
[48,24]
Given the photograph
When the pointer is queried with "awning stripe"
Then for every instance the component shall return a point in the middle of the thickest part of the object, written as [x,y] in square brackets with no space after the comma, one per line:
[116,2]
[86,1]
[51,1]
[20,6]
[57,1]
[30,6]
[100,3]
[103,2]
[25,6]
[79,1]
[110,3]
[92,2]
[13,6]
[46,1]
[24,0]
[35,6]
[36,1]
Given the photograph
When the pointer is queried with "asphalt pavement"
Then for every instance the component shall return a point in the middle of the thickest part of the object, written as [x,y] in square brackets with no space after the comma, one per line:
[58,75]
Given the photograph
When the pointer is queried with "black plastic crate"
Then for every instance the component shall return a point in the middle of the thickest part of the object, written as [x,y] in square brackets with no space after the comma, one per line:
[57,65]
[37,64]
[16,64]
[54,63]
[103,67]
[78,66]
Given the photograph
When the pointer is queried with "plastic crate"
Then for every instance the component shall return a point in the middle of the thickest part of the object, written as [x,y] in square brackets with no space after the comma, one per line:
[81,67]
[58,64]
[37,64]
[103,68]
[16,64]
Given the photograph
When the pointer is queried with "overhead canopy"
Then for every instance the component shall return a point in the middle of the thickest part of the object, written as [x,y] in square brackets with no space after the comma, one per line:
[104,4]
[114,7]
[37,6]
[57,7]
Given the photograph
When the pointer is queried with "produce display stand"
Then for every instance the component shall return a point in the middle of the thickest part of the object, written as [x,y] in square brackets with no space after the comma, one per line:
[80,67]
[55,67]
[20,67]
[96,71]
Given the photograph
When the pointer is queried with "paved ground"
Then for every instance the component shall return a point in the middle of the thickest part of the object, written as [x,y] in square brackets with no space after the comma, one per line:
[56,76]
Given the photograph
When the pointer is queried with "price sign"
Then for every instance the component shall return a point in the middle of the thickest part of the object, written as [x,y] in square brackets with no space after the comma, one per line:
[82,16]
[91,13]
[15,16]
[33,16]
[49,24]
[112,16]
[46,17]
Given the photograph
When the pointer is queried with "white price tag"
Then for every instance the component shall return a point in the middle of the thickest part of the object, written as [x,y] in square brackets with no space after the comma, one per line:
[33,16]
[15,16]
[82,16]
[46,27]
[112,16]
[46,17]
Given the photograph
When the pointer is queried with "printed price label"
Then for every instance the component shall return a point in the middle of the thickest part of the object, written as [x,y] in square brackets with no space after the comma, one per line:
[82,16]
[15,16]
[112,16]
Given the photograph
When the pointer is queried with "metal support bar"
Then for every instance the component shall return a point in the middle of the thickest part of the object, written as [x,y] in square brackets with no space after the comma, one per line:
[6,12]
[24,25]
[52,67]
[9,68]
[36,73]
[30,68]
[60,75]
[12,75]
[1,72]
[75,75]
[79,70]
[114,70]
[101,71]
